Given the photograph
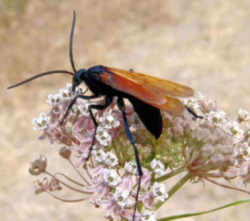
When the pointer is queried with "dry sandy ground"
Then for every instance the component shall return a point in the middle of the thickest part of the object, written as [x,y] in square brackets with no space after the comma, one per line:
[202,43]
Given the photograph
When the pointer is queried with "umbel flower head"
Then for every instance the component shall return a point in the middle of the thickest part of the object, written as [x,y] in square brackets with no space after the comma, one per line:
[206,149]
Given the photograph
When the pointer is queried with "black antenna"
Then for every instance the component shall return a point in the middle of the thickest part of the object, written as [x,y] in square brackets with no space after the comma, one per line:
[71,42]
[56,71]
[40,75]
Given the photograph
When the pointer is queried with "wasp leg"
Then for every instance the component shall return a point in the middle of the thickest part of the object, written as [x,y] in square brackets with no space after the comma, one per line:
[121,106]
[73,102]
[193,113]
[107,102]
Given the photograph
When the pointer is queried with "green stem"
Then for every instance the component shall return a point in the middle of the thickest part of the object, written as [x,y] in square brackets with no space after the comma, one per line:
[174,189]
[185,215]
[169,175]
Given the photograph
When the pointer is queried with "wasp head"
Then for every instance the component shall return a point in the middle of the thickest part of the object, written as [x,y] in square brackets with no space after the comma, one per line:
[78,78]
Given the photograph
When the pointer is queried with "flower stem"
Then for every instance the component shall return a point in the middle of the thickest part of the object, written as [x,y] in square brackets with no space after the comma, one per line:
[65,200]
[169,175]
[69,179]
[78,172]
[227,186]
[67,185]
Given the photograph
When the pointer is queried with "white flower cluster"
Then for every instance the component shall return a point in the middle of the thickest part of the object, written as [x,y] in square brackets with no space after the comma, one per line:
[64,94]
[121,197]
[108,158]
[211,146]
[131,167]
[158,167]
[41,123]
[159,192]
[99,155]
[111,177]
[103,136]
[107,122]
[243,115]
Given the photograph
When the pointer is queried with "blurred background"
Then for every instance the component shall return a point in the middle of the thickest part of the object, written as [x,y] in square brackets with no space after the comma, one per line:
[201,43]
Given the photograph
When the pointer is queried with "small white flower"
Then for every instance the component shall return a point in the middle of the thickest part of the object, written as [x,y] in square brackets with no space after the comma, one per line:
[246,151]
[133,128]
[158,167]
[235,127]
[243,115]
[103,137]
[41,122]
[236,130]
[217,117]
[54,99]
[109,121]
[111,159]
[111,177]
[66,93]
[121,197]
[131,167]
[148,215]
[99,155]
[78,90]
[159,191]
[84,108]
[74,110]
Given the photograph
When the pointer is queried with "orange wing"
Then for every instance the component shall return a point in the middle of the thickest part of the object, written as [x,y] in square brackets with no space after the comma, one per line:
[151,90]
[157,84]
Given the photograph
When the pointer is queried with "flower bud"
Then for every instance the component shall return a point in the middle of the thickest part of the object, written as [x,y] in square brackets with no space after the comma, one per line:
[38,166]
[65,152]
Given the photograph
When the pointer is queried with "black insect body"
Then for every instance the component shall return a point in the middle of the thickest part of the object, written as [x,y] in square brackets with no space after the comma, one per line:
[149,115]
